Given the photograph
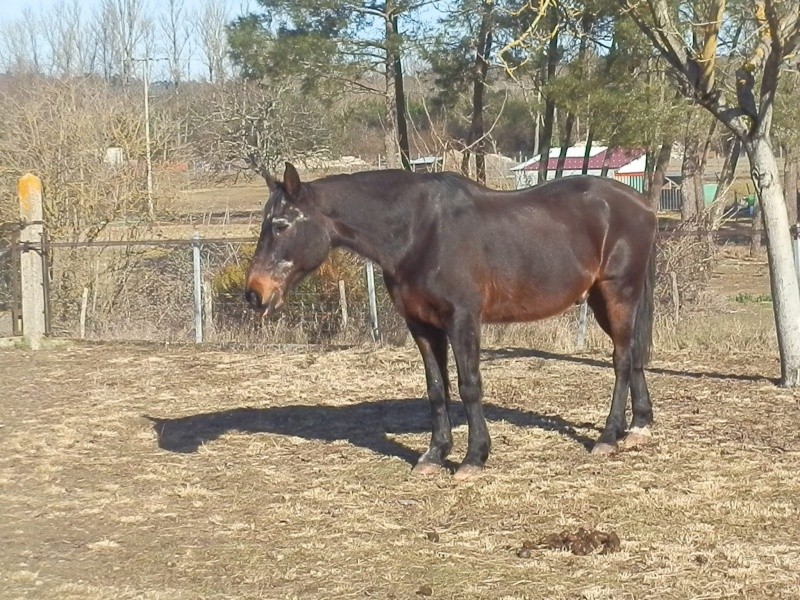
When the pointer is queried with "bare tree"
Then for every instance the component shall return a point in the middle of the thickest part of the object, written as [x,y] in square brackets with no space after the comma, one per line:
[748,116]
[106,56]
[176,29]
[260,123]
[120,26]
[68,41]
[211,21]
[21,44]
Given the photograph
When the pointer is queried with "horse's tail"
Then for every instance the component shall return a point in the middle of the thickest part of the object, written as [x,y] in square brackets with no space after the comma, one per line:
[643,325]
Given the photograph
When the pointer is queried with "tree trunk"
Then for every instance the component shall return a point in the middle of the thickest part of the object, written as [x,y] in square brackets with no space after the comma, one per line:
[480,69]
[733,147]
[390,127]
[465,161]
[396,131]
[755,231]
[546,137]
[689,168]
[790,174]
[783,281]
[587,155]
[393,44]
[699,193]
[699,176]
[657,181]
[566,142]
[572,125]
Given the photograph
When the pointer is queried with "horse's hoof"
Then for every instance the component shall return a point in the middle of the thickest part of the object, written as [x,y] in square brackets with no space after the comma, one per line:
[636,437]
[604,449]
[468,473]
[426,468]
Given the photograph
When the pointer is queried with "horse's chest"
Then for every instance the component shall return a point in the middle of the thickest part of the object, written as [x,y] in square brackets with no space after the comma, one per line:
[414,303]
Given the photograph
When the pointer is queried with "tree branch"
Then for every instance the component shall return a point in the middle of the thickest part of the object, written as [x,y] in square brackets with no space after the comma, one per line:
[688,73]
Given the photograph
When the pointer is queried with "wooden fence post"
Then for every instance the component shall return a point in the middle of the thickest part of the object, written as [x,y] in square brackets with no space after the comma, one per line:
[197,277]
[29,190]
[343,303]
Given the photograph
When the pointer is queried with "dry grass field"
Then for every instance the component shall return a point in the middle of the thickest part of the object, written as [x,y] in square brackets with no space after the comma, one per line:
[174,472]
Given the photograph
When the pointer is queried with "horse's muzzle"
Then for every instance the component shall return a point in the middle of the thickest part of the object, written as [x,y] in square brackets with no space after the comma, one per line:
[263,298]
[253,299]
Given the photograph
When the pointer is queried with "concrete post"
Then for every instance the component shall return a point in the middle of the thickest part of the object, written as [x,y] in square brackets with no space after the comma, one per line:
[29,190]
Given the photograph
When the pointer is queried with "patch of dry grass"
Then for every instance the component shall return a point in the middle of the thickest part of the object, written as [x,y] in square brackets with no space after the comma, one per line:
[145,472]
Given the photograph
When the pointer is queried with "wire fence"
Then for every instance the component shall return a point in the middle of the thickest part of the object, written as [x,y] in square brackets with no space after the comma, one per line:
[10,295]
[191,290]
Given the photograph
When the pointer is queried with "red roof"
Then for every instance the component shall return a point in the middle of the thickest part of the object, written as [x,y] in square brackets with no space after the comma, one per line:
[612,159]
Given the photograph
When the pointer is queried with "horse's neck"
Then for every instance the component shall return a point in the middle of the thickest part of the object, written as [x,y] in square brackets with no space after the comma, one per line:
[362,222]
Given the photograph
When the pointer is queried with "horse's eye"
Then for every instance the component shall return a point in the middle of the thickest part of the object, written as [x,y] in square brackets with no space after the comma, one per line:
[279,226]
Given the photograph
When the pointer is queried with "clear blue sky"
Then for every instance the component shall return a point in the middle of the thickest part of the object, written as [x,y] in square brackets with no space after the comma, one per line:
[12,9]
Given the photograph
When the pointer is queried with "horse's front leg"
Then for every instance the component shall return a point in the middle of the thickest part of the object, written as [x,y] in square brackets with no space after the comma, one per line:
[464,333]
[432,344]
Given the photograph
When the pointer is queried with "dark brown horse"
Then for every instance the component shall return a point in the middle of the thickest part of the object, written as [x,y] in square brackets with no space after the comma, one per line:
[456,254]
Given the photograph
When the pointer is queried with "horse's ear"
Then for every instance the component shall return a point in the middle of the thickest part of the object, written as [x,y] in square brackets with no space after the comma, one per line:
[291,180]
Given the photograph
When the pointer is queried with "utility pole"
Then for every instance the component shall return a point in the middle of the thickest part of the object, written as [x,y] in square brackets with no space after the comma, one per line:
[148,160]
[146,78]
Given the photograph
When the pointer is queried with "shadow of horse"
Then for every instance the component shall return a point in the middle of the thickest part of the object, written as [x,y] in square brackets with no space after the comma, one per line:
[366,424]
[505,353]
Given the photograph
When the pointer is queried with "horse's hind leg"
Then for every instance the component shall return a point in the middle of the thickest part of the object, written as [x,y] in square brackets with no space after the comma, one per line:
[615,309]
[639,431]
[464,333]
[432,344]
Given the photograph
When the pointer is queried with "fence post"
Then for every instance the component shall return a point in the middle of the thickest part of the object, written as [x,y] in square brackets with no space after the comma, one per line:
[208,310]
[676,301]
[84,304]
[373,303]
[343,303]
[29,190]
[582,313]
[795,229]
[198,289]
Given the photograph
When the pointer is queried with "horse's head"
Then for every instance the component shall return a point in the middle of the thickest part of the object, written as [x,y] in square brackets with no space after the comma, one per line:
[293,242]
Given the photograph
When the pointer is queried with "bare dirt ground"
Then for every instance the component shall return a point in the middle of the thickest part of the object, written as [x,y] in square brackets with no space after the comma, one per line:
[175,472]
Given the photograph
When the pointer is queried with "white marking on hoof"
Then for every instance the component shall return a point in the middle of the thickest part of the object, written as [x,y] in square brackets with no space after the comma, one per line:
[602,448]
[637,436]
[468,473]
[426,468]
[643,431]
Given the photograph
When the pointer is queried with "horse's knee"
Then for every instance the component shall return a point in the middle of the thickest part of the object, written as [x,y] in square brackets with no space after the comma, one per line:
[470,387]
[436,394]
[623,358]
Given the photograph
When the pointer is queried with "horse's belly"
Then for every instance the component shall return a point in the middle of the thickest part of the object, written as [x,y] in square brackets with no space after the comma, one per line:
[504,313]
[525,304]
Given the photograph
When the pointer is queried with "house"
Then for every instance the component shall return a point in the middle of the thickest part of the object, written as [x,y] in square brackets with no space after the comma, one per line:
[620,163]
[625,165]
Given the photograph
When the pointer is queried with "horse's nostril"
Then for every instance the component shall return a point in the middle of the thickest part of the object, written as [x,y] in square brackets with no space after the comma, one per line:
[252,298]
